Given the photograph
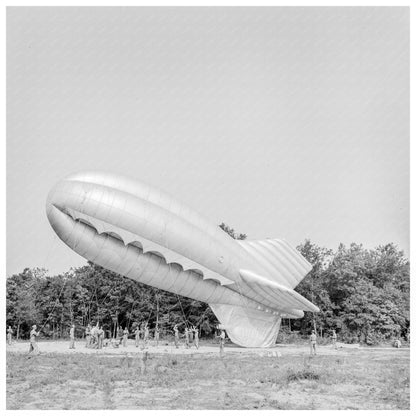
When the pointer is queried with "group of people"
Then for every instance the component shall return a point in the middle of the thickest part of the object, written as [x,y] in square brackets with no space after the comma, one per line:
[191,336]
[313,338]
[142,336]
[95,337]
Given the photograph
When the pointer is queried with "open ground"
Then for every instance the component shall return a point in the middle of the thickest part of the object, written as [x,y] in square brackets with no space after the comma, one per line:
[284,377]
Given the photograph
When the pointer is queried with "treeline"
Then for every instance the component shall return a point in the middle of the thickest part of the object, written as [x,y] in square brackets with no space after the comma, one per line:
[363,294]
[91,294]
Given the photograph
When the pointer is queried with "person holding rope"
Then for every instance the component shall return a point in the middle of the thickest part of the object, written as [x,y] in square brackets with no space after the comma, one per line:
[9,335]
[120,334]
[146,335]
[100,337]
[196,337]
[125,336]
[72,337]
[88,336]
[312,341]
[222,341]
[191,335]
[141,335]
[137,336]
[176,331]
[334,339]
[186,335]
[94,336]
[33,344]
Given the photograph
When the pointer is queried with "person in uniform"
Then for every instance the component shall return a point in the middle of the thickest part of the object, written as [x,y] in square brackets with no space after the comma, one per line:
[334,339]
[119,333]
[33,344]
[222,341]
[100,337]
[94,336]
[186,335]
[88,336]
[137,336]
[176,331]
[191,336]
[72,337]
[9,335]
[125,336]
[196,337]
[157,335]
[312,342]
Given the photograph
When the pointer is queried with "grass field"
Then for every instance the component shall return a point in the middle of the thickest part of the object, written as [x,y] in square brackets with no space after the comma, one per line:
[348,379]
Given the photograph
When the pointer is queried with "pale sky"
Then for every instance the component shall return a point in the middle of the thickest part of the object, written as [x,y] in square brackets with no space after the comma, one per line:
[282,122]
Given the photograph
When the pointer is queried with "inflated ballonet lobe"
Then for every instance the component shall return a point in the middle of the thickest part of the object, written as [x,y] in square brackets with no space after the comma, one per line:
[144,234]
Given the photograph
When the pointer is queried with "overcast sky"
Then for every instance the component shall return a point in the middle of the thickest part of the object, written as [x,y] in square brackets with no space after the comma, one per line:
[282,122]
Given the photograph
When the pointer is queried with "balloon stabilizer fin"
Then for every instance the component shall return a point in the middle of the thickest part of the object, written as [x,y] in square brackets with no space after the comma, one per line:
[283,296]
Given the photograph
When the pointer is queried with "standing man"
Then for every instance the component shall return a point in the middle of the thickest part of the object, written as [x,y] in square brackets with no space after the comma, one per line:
[9,335]
[196,337]
[312,341]
[72,337]
[187,331]
[137,336]
[100,337]
[157,335]
[119,334]
[88,336]
[33,344]
[94,336]
[334,339]
[176,331]
[125,336]
[191,336]
[222,341]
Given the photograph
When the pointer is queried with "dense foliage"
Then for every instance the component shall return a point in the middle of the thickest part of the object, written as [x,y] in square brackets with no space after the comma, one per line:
[363,294]
[89,294]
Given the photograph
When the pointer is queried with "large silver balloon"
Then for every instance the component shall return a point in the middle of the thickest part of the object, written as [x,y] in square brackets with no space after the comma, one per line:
[144,234]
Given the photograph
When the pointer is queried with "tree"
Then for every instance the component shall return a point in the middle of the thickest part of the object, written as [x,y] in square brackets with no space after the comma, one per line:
[312,287]
[20,301]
